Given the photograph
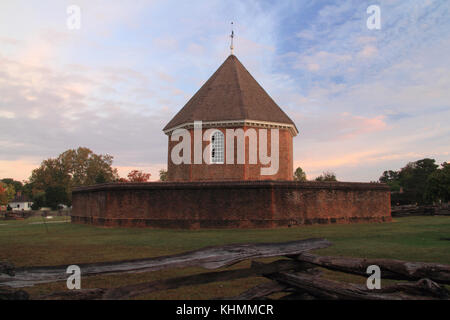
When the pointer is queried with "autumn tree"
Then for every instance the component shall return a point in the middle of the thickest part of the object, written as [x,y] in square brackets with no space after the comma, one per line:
[138,176]
[51,173]
[7,193]
[72,168]
[18,186]
[299,175]
[3,196]
[87,168]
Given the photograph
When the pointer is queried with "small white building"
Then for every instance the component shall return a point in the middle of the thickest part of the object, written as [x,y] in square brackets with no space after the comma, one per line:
[21,203]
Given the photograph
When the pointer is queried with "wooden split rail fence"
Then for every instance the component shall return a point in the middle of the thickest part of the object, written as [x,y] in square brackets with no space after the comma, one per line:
[297,275]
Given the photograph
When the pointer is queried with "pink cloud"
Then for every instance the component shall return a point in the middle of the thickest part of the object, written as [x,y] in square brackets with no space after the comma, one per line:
[368,51]
[341,126]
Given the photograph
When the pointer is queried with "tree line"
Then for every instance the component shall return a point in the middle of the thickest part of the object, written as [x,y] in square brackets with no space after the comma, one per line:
[422,182]
[300,175]
[51,184]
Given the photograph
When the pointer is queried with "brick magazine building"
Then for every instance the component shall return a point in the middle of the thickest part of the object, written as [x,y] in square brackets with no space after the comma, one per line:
[230,194]
[232,98]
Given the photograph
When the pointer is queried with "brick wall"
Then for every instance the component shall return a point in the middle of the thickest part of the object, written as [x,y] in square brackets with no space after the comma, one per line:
[230,204]
[220,172]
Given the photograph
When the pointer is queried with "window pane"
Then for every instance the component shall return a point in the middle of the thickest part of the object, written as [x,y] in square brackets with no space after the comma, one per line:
[217,148]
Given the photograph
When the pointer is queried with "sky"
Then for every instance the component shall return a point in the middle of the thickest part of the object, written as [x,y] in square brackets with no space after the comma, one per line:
[363,100]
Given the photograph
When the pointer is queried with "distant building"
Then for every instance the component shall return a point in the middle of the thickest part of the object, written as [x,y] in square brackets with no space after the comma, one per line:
[21,202]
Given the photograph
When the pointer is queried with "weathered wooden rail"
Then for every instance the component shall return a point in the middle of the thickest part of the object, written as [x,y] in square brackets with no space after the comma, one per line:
[297,275]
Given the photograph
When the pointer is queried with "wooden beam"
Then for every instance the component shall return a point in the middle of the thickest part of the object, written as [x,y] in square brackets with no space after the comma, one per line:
[259,292]
[333,290]
[390,269]
[209,258]
[8,294]
[7,268]
[134,290]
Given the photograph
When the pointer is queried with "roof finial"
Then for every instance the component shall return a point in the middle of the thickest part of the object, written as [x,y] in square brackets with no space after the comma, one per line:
[232,37]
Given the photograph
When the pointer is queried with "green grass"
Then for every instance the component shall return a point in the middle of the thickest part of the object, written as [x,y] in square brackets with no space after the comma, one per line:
[26,244]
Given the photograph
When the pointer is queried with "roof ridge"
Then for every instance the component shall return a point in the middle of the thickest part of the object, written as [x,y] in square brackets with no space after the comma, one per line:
[241,93]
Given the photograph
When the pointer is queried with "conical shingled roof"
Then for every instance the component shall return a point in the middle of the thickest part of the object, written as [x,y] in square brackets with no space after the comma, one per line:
[230,94]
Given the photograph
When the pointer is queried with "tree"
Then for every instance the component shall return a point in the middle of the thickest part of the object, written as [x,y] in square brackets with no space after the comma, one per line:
[72,168]
[100,178]
[86,167]
[7,193]
[28,189]
[391,178]
[163,175]
[299,175]
[438,185]
[413,179]
[417,182]
[3,196]
[39,201]
[327,176]
[138,176]
[18,186]
[54,196]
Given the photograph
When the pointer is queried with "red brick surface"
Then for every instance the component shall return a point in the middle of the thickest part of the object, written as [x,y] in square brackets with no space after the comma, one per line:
[230,204]
[238,172]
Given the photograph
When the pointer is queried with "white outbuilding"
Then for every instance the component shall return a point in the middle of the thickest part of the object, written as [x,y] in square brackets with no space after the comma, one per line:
[21,203]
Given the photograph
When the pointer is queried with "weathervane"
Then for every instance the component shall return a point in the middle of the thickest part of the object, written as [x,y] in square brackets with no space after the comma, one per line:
[232,37]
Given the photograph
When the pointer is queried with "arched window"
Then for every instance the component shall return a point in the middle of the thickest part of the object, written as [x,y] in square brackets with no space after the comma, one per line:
[217,147]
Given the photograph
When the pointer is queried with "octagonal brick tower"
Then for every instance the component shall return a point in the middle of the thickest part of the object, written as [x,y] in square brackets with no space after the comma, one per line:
[231,98]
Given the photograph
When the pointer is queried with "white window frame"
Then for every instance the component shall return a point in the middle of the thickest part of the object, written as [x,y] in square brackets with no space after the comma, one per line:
[220,144]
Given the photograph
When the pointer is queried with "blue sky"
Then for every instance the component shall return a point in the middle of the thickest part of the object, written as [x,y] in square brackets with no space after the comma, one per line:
[364,100]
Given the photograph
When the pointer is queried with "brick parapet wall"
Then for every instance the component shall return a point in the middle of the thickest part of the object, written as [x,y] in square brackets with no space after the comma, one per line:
[234,184]
[230,204]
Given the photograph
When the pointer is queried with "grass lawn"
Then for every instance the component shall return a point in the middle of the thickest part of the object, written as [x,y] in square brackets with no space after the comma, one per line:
[31,243]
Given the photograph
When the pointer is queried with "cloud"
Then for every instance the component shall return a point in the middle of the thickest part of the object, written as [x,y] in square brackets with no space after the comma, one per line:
[66,110]
[364,101]
[368,51]
[305,34]
[322,60]
[7,114]
[338,127]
